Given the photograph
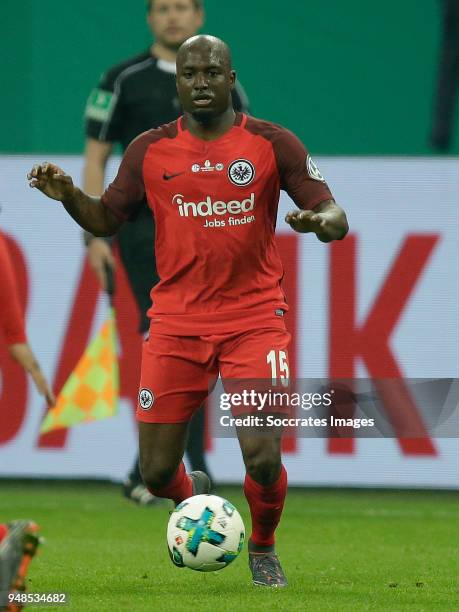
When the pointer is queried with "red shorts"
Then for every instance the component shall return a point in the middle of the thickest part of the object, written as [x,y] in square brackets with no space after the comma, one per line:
[178,372]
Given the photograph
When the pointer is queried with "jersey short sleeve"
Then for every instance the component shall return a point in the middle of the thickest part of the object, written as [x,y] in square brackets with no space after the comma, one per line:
[103,113]
[126,194]
[11,316]
[299,175]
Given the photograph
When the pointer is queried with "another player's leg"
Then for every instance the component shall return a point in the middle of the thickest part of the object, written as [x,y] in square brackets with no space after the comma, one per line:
[19,541]
[265,488]
[195,450]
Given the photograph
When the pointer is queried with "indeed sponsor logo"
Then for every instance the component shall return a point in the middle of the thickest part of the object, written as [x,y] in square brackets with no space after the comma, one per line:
[208,207]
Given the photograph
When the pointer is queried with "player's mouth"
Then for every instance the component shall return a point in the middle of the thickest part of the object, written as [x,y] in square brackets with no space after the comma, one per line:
[202,101]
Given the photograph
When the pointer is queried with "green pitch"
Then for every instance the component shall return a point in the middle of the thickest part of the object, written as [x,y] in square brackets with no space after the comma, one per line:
[341,550]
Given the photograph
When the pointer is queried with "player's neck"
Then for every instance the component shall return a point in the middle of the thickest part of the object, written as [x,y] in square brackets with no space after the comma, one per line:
[164,53]
[213,129]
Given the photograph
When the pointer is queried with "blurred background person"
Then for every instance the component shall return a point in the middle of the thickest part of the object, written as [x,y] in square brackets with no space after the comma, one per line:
[133,97]
[12,326]
[448,78]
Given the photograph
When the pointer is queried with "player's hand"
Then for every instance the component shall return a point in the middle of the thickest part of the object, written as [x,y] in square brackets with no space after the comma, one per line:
[305,221]
[100,255]
[51,180]
[23,354]
[43,388]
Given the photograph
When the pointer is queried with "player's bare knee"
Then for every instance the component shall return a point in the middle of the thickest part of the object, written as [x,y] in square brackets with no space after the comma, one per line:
[263,467]
[262,458]
[156,475]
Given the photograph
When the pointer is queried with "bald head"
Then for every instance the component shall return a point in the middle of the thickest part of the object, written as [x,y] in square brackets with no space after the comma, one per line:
[205,78]
[203,44]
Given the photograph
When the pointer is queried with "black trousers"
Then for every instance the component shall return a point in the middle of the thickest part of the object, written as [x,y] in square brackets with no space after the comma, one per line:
[448,78]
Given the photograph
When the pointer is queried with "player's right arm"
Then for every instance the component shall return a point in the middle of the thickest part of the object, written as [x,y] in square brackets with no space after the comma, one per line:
[99,251]
[120,201]
[88,211]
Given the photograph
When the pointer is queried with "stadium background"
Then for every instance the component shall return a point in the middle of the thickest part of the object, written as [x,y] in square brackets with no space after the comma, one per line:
[351,78]
[360,84]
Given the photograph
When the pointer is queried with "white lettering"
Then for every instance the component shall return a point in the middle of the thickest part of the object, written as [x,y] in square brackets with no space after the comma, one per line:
[234,207]
[207,207]
[219,208]
[186,206]
[249,204]
[215,223]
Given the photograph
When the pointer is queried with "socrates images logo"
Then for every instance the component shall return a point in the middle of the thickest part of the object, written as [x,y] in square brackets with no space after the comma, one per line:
[146,399]
[209,207]
[241,172]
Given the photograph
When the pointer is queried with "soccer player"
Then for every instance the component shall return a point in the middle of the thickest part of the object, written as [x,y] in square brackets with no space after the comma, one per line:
[19,541]
[212,181]
[134,96]
[12,325]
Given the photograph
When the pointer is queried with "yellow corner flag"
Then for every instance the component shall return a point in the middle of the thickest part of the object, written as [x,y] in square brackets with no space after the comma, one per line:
[91,391]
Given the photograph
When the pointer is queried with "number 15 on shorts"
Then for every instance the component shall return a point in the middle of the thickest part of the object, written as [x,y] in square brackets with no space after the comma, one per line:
[279,367]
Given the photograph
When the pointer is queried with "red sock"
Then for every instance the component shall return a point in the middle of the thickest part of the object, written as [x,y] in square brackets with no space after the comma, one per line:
[266,505]
[178,489]
[3,531]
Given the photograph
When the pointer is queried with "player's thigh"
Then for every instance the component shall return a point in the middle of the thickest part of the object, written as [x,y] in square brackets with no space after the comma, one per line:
[255,363]
[258,361]
[257,354]
[174,379]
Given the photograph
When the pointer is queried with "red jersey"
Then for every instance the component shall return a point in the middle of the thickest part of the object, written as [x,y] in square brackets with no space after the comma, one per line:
[215,207]
[11,318]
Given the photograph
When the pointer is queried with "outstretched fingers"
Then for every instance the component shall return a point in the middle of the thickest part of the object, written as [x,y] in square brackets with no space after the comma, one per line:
[41,173]
[50,180]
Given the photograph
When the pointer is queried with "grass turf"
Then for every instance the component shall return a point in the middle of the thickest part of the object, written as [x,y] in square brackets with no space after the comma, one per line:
[341,550]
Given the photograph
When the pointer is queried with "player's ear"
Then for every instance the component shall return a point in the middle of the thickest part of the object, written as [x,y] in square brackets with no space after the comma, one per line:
[232,78]
[149,16]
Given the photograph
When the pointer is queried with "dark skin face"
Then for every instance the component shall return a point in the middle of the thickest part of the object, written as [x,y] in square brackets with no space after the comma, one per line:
[204,83]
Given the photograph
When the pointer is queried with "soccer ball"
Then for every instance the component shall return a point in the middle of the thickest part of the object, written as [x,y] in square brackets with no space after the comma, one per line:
[205,533]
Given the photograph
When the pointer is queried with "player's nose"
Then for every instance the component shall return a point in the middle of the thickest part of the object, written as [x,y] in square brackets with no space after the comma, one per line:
[201,81]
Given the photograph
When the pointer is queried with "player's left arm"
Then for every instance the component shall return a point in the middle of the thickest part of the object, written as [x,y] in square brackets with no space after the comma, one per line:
[304,183]
[327,221]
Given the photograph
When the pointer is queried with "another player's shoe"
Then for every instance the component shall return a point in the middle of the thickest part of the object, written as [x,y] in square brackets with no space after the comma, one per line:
[266,569]
[17,549]
[200,482]
[138,493]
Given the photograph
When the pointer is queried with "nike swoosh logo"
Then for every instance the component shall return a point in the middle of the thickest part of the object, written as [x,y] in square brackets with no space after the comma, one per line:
[168,177]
